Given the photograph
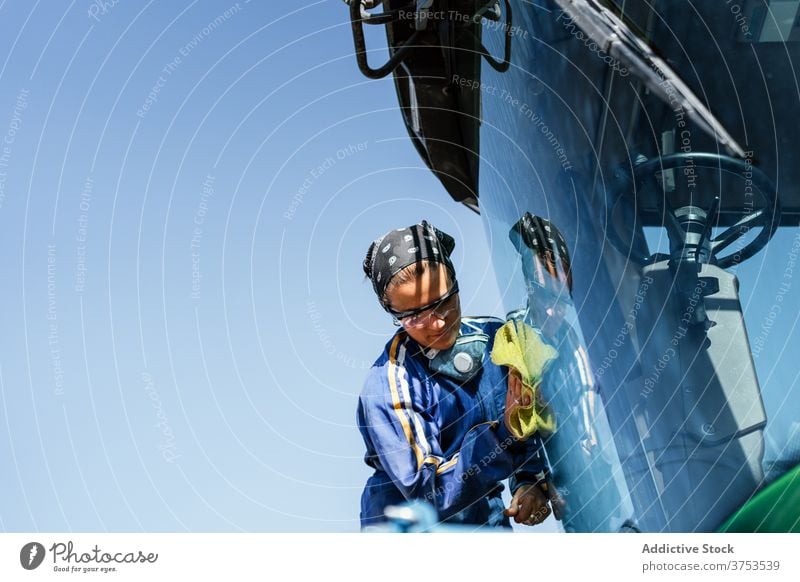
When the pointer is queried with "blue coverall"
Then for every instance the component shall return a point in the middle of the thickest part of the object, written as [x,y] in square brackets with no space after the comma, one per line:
[429,437]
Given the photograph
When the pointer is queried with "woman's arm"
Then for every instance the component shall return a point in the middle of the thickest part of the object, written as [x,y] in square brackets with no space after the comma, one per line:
[405,435]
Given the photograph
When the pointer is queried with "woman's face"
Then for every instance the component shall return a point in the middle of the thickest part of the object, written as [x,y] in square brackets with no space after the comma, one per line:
[439,329]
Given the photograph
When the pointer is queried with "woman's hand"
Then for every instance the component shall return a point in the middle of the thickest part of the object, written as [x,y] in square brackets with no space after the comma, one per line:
[514,396]
[528,505]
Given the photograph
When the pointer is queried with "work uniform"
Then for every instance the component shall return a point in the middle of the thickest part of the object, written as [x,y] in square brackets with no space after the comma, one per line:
[431,437]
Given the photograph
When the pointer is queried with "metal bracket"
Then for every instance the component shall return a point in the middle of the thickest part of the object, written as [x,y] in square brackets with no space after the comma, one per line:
[358,16]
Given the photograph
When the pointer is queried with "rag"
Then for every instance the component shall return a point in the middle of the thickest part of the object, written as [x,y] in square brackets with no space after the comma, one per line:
[519,346]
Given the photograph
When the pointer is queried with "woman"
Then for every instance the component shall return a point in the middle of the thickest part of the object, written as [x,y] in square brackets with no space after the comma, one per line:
[432,408]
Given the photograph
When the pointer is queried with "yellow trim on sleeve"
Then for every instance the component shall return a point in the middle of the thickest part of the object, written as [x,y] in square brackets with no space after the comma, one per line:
[445,466]
[397,405]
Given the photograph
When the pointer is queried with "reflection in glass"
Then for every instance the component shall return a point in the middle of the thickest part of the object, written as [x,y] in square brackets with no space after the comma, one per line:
[586,473]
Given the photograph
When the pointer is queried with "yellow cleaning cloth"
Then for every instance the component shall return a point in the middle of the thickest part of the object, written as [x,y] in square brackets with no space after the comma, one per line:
[519,346]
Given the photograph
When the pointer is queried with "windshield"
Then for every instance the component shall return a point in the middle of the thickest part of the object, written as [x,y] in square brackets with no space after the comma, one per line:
[676,386]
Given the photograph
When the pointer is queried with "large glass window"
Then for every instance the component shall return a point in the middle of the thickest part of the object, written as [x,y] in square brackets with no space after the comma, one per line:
[676,385]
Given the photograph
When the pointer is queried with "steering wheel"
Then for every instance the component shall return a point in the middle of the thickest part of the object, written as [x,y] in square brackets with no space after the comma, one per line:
[766,217]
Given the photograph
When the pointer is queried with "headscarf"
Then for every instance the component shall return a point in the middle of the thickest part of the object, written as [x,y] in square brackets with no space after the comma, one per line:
[544,251]
[402,247]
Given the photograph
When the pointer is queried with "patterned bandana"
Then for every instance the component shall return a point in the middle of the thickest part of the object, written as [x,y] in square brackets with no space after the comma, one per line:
[403,247]
[544,251]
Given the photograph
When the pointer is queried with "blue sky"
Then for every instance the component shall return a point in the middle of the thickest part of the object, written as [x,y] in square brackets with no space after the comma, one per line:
[188,190]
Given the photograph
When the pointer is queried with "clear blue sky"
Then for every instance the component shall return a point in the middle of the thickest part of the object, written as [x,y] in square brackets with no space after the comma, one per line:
[188,190]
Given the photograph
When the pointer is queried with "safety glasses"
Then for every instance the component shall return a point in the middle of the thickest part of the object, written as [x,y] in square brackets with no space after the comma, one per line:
[421,316]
